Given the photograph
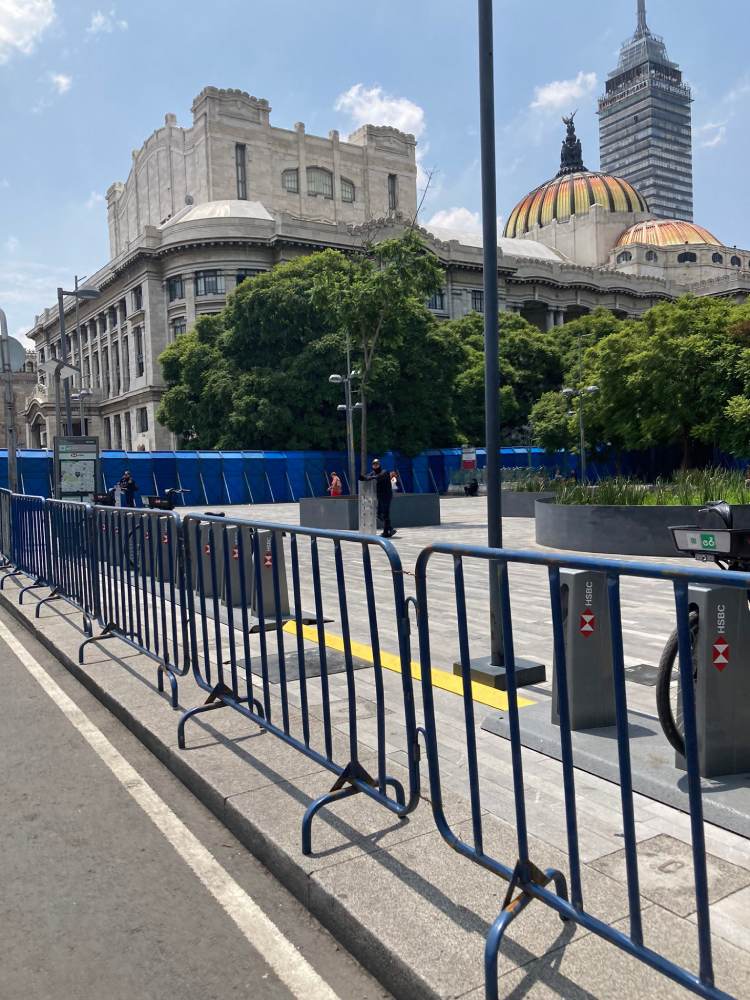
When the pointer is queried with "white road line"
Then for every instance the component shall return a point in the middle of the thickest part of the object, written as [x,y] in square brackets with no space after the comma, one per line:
[281,955]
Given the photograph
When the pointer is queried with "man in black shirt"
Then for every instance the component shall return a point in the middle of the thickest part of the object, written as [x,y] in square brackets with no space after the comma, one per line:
[384,493]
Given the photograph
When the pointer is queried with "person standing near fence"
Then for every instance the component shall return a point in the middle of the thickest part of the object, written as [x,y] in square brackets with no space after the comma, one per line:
[128,486]
[384,493]
[335,487]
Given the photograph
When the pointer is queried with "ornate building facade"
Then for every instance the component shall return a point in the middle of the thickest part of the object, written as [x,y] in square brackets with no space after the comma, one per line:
[209,206]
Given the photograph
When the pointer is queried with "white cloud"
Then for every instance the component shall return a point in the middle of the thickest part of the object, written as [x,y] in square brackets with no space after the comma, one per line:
[4,183]
[94,199]
[560,94]
[102,23]
[11,244]
[712,134]
[460,220]
[739,92]
[373,106]
[61,82]
[22,22]
[26,287]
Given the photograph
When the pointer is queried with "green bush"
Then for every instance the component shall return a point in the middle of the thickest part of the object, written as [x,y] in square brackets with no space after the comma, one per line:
[690,488]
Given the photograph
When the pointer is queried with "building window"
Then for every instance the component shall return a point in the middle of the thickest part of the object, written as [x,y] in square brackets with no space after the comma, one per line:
[319,182]
[97,377]
[139,364]
[137,298]
[116,367]
[477,300]
[112,317]
[179,326]
[437,302]
[123,311]
[118,431]
[651,256]
[716,258]
[84,334]
[128,433]
[392,192]
[107,432]
[209,283]
[736,262]
[141,419]
[240,159]
[623,258]
[103,323]
[688,257]
[290,181]
[347,190]
[125,365]
[175,288]
[105,371]
[250,273]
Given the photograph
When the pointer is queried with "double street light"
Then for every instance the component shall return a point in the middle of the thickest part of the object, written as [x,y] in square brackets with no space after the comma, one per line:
[63,369]
[348,408]
[9,404]
[580,395]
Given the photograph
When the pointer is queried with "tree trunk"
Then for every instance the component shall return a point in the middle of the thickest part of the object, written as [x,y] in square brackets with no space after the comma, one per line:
[685,449]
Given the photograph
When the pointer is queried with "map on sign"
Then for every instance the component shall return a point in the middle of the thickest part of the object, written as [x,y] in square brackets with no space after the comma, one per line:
[77,466]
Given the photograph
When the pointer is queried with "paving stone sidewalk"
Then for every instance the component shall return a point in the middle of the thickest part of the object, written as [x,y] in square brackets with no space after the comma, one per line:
[413,911]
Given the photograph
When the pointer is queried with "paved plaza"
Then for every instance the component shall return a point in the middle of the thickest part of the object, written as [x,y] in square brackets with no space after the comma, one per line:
[393,891]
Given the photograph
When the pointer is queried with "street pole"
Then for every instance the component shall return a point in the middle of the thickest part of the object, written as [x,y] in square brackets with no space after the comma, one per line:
[491,328]
[64,358]
[80,355]
[583,439]
[10,407]
[350,421]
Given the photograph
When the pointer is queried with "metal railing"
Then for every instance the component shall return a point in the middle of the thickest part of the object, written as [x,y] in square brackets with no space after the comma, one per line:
[239,588]
[526,880]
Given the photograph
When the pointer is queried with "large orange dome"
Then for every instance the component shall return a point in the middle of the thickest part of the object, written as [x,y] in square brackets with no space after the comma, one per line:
[667,233]
[573,194]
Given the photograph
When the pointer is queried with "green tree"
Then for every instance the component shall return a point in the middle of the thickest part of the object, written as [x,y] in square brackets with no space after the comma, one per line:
[530,364]
[377,297]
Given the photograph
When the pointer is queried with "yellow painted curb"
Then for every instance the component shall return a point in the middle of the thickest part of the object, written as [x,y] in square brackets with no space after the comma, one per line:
[481,693]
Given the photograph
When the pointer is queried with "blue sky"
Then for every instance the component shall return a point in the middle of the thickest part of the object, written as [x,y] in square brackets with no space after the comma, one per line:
[82,84]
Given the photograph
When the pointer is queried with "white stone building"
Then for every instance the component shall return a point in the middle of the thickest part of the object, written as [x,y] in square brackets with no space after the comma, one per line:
[207,206]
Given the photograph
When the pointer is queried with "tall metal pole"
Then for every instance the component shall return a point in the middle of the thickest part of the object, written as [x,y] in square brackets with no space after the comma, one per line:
[583,439]
[10,407]
[350,420]
[80,355]
[64,357]
[491,324]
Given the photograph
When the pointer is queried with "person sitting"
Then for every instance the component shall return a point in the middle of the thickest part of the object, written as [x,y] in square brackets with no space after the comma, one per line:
[471,489]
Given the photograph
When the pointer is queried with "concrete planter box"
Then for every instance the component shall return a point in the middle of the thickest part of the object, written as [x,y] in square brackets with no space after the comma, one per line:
[617,530]
[518,503]
[408,510]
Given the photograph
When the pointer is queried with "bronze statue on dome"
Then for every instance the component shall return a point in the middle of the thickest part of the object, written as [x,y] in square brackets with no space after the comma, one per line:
[571,157]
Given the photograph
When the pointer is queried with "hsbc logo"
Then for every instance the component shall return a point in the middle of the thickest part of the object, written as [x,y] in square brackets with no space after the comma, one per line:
[720,653]
[587,624]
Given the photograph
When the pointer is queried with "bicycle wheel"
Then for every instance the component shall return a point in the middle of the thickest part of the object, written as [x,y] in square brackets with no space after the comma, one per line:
[668,701]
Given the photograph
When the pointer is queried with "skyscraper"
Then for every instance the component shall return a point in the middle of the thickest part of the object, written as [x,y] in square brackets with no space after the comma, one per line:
[644,124]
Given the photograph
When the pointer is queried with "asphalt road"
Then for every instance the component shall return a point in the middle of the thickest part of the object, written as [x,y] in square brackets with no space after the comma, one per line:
[118,883]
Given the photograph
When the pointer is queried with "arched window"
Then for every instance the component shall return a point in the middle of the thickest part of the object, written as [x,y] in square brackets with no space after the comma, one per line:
[717,258]
[736,262]
[623,258]
[652,255]
[688,257]
[347,190]
[290,181]
[319,182]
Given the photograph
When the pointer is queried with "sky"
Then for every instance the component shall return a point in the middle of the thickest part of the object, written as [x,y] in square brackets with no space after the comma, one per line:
[82,84]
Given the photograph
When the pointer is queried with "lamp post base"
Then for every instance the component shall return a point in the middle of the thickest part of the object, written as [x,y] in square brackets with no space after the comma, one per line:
[483,671]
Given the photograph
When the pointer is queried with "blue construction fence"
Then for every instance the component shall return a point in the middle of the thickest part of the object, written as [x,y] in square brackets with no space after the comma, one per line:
[241,477]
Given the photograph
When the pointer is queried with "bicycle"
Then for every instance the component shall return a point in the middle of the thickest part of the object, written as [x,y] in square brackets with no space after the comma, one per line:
[714,540]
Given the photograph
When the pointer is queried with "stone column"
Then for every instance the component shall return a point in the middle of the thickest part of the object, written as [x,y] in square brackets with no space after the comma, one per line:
[560,317]
[550,320]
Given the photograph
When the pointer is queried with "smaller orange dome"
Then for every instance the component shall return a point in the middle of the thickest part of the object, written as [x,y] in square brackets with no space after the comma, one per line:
[667,233]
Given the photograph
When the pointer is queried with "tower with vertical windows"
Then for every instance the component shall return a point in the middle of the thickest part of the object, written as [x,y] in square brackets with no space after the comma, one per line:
[645,124]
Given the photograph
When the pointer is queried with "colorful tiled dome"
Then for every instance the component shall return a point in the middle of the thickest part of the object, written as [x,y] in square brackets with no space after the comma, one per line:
[573,194]
[667,233]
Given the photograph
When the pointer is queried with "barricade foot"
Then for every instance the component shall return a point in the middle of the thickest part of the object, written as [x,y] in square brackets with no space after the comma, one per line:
[32,586]
[7,576]
[172,683]
[398,788]
[54,596]
[106,633]
[343,788]
[88,628]
[215,700]
[512,906]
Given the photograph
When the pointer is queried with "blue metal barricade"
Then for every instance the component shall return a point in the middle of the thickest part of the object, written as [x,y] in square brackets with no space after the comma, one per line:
[526,880]
[5,530]
[235,677]
[28,542]
[72,567]
[139,583]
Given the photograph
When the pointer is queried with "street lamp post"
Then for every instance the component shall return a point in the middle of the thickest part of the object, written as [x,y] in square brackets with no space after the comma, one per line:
[348,408]
[580,395]
[77,293]
[9,405]
[83,395]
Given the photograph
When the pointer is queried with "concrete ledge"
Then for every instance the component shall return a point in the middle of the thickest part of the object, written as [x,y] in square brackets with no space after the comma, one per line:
[408,510]
[520,503]
[617,530]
